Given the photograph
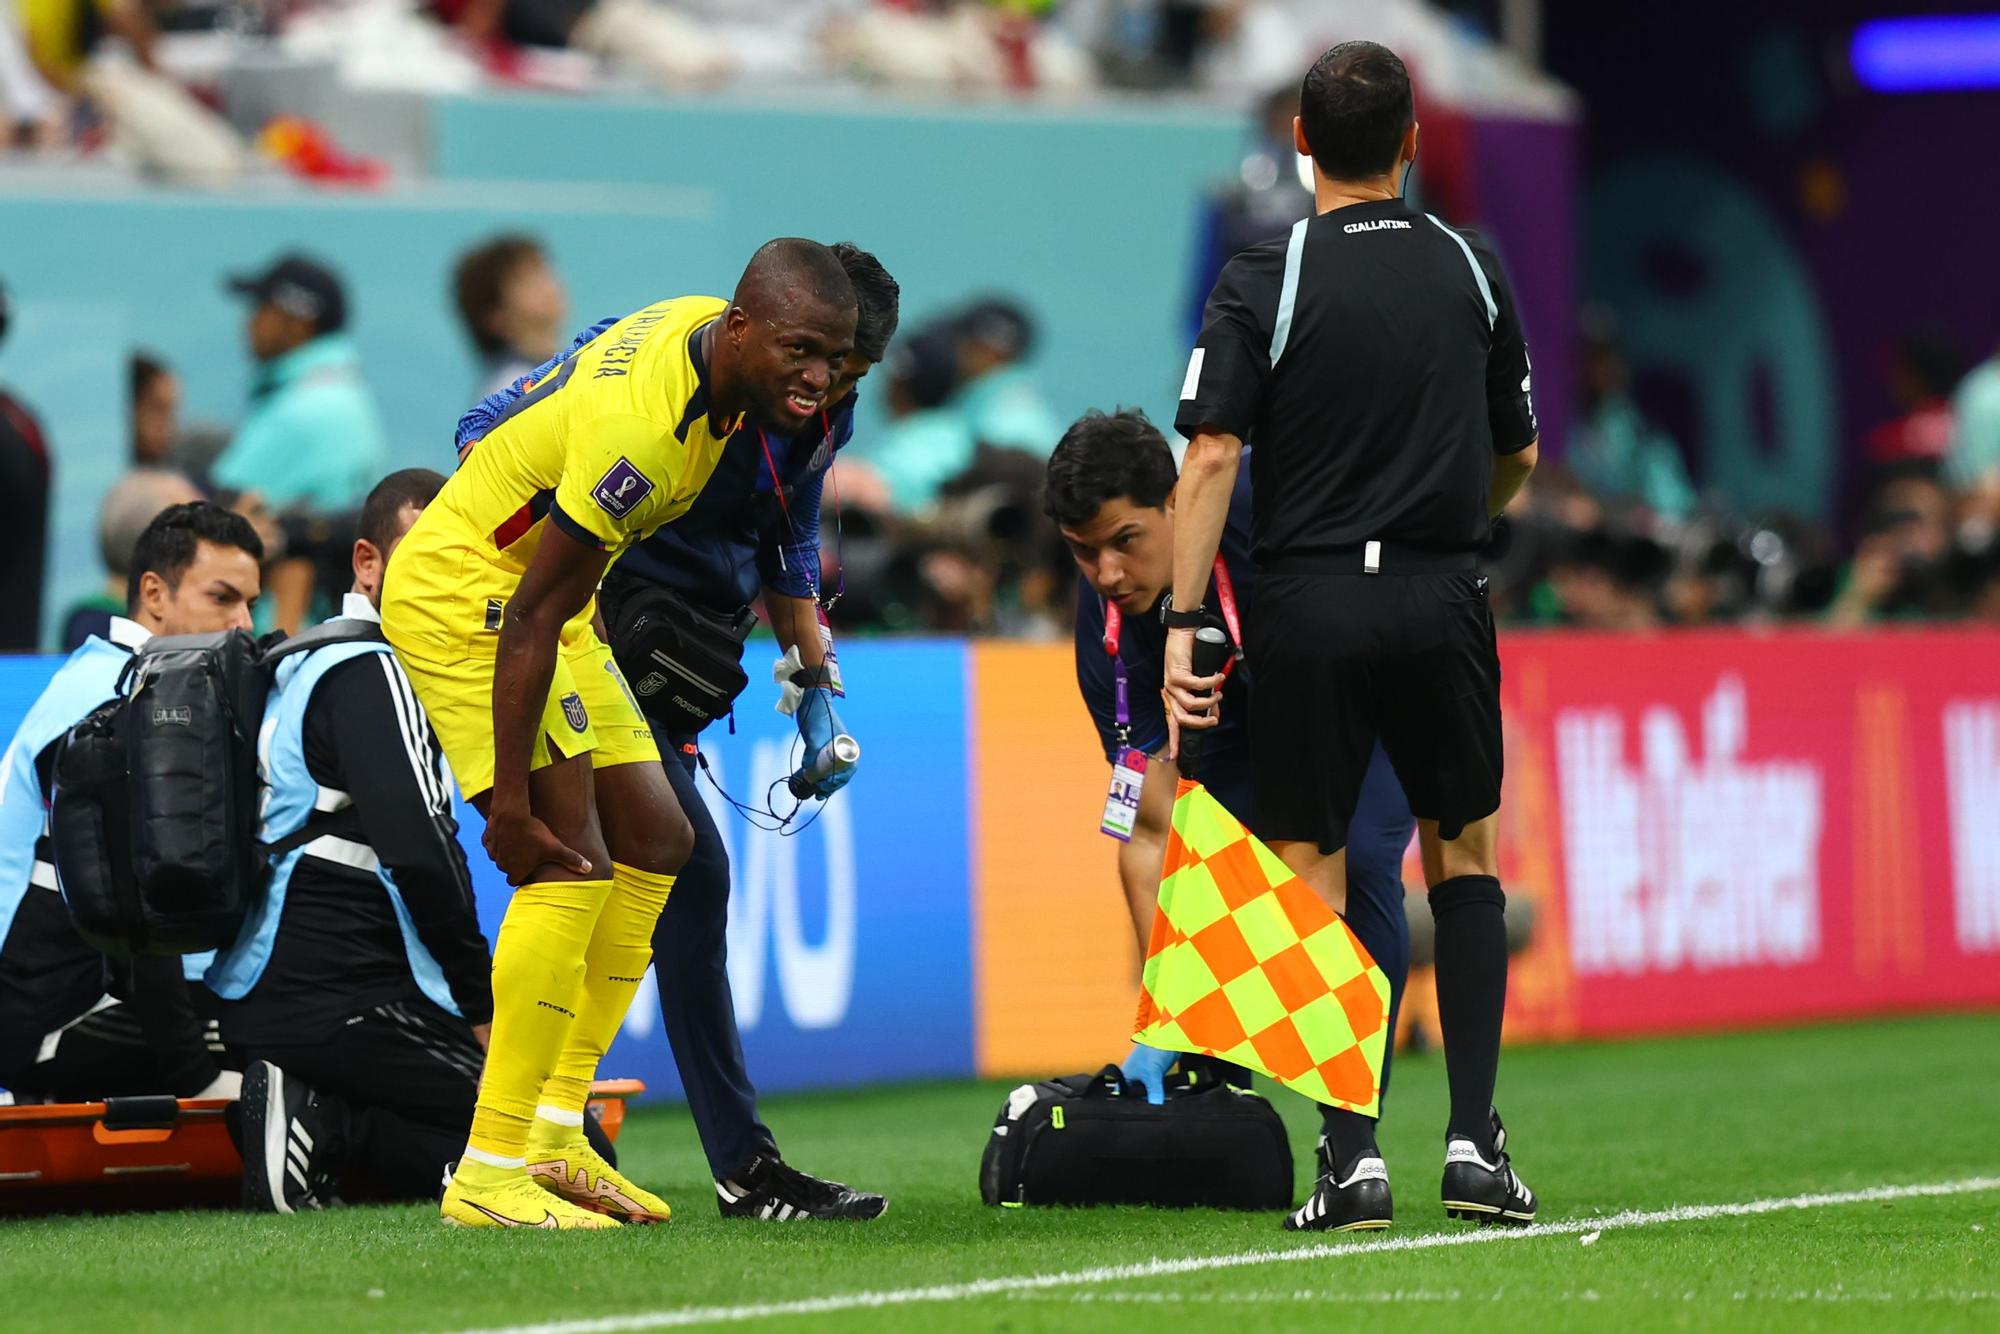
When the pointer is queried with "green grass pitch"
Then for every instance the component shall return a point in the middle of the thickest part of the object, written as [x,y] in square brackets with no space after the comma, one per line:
[1598,1129]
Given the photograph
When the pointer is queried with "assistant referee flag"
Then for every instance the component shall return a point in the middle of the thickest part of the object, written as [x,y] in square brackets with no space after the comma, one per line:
[1249,965]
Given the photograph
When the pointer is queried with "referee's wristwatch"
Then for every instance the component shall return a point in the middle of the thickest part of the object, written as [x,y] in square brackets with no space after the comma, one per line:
[1175,619]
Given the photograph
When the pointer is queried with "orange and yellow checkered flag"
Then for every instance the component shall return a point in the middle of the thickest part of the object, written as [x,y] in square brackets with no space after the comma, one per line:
[1247,964]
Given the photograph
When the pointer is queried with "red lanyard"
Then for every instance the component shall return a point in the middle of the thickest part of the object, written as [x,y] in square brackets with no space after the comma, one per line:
[1114,627]
[778,486]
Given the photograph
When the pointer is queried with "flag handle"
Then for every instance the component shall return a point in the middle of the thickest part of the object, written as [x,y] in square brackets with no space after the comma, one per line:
[1211,654]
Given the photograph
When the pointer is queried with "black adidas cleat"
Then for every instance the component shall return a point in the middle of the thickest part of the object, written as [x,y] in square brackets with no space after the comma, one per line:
[773,1190]
[292,1143]
[1483,1190]
[1359,1202]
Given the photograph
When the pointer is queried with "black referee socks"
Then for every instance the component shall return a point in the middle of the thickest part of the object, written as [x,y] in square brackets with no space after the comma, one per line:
[1350,1137]
[1472,996]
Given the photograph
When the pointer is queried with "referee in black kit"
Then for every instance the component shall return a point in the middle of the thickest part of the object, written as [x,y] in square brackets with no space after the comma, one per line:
[1375,359]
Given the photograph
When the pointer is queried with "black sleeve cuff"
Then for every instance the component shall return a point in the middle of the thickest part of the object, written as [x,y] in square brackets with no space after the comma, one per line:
[574,529]
[1193,419]
[1513,424]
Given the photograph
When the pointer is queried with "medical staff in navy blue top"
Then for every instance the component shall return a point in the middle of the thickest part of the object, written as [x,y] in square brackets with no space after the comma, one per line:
[754,530]
[1110,489]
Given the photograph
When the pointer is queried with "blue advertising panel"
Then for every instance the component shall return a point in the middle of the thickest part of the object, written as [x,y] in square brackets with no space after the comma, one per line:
[849,942]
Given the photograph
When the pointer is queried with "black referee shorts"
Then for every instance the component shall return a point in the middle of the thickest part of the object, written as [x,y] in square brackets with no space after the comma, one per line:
[1341,661]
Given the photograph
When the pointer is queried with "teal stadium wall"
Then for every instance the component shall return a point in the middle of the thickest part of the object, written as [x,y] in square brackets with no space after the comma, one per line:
[1088,215]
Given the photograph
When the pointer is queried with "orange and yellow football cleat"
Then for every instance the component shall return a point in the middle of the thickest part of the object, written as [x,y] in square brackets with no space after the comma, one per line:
[517,1202]
[575,1173]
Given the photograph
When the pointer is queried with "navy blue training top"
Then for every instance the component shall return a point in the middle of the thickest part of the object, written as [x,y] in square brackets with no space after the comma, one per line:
[1143,642]
[737,536]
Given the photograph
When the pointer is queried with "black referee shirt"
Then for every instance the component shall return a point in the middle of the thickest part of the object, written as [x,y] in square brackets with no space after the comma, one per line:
[1375,359]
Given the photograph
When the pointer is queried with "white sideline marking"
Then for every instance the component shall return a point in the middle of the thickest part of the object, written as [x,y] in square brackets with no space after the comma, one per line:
[686,1316]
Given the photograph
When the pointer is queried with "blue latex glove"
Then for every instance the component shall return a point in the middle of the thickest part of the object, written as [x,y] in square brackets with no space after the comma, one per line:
[819,725]
[1149,1066]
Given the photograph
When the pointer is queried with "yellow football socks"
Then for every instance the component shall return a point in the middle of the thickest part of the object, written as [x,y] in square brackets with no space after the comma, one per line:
[538,980]
[620,950]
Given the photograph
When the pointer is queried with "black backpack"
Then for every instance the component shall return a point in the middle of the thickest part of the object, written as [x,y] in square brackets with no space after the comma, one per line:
[155,811]
[1094,1139]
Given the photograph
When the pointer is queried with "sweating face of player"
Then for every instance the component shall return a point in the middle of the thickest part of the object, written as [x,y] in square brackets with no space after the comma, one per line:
[789,359]
[1126,551]
[217,591]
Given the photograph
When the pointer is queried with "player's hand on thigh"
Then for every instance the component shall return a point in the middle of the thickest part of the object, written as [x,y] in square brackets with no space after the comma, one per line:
[521,845]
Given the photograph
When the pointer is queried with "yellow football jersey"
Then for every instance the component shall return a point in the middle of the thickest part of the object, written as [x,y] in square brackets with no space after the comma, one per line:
[614,442]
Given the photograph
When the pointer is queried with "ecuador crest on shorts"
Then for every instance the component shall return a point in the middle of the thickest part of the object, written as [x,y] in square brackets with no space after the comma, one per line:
[1248,964]
[574,712]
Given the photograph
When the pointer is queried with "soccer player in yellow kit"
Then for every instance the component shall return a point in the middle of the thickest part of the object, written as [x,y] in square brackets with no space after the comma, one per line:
[489,604]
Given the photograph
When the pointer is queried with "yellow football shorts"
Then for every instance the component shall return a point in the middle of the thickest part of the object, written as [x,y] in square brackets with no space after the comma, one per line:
[445,638]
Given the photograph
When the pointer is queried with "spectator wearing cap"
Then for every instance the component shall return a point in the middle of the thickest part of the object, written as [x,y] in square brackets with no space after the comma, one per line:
[312,439]
[926,443]
[998,395]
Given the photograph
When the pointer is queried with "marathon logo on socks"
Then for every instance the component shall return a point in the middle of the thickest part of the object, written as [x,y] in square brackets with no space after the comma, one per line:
[621,489]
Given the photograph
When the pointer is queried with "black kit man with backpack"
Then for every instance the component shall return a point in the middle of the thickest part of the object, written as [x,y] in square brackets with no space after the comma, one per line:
[359,986]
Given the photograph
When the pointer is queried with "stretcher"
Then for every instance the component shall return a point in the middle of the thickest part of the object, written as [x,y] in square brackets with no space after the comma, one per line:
[155,1152]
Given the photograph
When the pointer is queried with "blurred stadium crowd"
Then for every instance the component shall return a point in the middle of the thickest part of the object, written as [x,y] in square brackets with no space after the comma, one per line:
[195,89]
[938,526]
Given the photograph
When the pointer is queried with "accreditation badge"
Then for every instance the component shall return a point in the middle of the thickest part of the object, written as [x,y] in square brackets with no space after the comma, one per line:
[833,680]
[1121,805]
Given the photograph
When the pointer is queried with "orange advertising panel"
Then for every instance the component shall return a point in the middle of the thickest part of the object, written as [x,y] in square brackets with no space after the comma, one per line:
[1056,968]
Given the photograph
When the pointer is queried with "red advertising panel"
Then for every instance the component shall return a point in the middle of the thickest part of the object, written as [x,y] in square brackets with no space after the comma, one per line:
[1729,828]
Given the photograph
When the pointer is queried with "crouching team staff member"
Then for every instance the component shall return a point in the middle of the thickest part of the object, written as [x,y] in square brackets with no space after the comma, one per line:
[1110,489]
[360,987]
[1375,356]
[678,609]
[76,1025]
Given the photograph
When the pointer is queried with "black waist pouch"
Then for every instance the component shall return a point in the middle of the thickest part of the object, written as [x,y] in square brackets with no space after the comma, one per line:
[1092,1139]
[683,661]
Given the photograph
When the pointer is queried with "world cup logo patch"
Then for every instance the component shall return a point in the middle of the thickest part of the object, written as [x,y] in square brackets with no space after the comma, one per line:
[573,710]
[619,492]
